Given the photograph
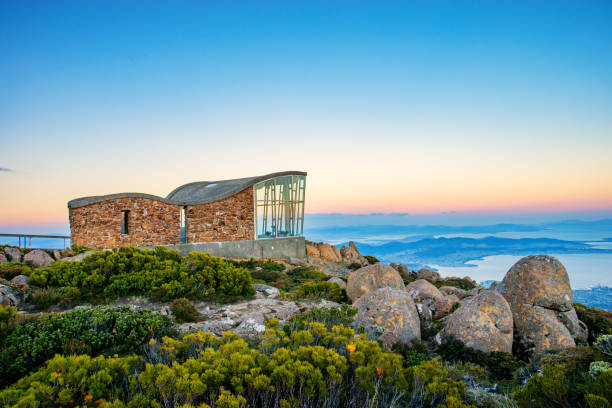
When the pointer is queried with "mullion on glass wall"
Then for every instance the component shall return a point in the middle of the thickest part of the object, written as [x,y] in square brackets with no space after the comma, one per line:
[279,205]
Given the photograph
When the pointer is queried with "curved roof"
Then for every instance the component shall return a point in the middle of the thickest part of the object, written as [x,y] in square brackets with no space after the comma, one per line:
[199,192]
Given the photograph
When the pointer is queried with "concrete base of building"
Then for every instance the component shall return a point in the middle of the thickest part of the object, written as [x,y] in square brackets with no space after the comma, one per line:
[270,248]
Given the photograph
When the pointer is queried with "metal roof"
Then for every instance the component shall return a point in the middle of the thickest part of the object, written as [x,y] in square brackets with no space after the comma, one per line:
[199,192]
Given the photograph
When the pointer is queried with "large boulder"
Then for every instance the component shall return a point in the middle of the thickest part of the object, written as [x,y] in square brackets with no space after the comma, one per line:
[13,254]
[9,296]
[483,323]
[388,315]
[38,258]
[421,289]
[370,278]
[312,250]
[329,253]
[3,258]
[350,254]
[451,290]
[21,282]
[538,290]
[428,275]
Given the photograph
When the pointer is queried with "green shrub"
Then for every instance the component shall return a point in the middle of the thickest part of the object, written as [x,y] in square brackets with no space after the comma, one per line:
[159,273]
[268,276]
[184,310]
[46,297]
[307,368]
[501,365]
[604,344]
[9,270]
[8,319]
[597,321]
[321,290]
[413,354]
[354,266]
[255,264]
[304,273]
[371,259]
[329,316]
[112,330]
[460,283]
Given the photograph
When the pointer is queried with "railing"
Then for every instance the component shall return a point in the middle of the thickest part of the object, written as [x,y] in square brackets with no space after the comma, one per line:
[30,236]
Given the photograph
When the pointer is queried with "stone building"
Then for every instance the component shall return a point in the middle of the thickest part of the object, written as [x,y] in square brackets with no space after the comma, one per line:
[260,217]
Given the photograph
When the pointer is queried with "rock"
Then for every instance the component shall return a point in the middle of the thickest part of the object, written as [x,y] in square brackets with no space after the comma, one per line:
[3,258]
[252,327]
[350,254]
[21,282]
[266,291]
[451,290]
[165,311]
[538,290]
[443,306]
[329,253]
[9,296]
[394,266]
[77,258]
[428,275]
[38,258]
[57,255]
[370,278]
[403,270]
[483,323]
[312,250]
[421,289]
[388,315]
[338,281]
[13,254]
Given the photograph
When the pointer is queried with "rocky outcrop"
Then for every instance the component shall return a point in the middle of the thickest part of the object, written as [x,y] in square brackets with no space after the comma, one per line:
[338,282]
[77,258]
[38,258]
[21,282]
[57,254]
[484,323]
[430,302]
[12,254]
[428,275]
[247,318]
[265,291]
[451,290]
[421,289]
[323,251]
[350,254]
[538,290]
[9,296]
[370,278]
[3,258]
[388,315]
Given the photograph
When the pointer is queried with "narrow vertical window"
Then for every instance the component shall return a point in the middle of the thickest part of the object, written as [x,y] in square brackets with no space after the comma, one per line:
[124,222]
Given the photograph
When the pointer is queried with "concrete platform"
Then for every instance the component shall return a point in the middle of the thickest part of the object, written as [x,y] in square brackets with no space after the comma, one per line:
[269,248]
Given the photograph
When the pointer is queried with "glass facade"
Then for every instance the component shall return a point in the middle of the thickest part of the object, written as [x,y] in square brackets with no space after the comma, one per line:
[279,207]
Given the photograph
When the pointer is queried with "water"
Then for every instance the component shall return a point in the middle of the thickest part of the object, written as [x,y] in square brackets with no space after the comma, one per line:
[584,270]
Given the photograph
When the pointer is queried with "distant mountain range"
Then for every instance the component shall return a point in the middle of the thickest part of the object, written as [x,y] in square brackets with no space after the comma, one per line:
[457,251]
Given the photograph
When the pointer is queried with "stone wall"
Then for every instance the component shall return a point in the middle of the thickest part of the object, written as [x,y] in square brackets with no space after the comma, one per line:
[150,222]
[230,219]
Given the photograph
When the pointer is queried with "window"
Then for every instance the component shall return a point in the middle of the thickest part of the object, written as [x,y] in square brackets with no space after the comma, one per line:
[124,222]
[279,207]
[183,229]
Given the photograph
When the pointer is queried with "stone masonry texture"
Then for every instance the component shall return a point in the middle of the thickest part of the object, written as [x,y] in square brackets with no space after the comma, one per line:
[152,222]
[230,219]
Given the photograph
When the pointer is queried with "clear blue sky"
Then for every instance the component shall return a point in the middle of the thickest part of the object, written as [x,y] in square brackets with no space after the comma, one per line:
[421,107]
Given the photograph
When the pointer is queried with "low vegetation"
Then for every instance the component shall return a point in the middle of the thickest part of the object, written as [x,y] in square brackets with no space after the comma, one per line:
[9,270]
[159,273]
[91,331]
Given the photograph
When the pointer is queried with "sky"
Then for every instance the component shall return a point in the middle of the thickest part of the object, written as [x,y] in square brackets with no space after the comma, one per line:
[426,108]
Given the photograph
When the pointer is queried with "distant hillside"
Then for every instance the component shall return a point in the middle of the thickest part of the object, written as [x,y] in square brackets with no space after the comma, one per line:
[457,251]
